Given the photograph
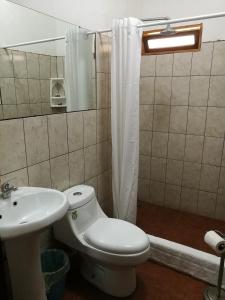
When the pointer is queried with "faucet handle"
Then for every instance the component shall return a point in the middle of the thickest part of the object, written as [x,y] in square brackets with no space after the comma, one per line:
[6,189]
[6,185]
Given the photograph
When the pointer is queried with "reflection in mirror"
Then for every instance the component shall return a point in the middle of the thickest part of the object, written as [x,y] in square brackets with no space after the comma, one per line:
[32,75]
[80,69]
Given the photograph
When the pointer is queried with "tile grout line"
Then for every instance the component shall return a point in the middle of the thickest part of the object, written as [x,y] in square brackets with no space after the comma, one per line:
[28,89]
[14,79]
[167,152]
[68,152]
[186,186]
[151,142]
[183,105]
[192,134]
[185,134]
[49,154]
[25,146]
[54,157]
[199,186]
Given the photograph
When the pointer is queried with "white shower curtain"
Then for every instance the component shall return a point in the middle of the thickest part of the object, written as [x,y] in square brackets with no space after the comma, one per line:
[78,60]
[125,68]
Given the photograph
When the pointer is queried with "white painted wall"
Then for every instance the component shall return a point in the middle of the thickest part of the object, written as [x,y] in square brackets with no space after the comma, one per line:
[92,14]
[98,14]
[19,24]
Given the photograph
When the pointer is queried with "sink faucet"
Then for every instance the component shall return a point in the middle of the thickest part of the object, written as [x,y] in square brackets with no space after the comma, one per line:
[7,189]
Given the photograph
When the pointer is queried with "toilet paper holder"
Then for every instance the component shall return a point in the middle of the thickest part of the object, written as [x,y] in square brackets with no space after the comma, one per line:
[216,292]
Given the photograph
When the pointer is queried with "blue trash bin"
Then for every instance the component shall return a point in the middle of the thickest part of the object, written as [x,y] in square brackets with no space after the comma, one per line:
[55,265]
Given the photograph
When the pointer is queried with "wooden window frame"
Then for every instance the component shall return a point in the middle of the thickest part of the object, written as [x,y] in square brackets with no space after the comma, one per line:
[194,29]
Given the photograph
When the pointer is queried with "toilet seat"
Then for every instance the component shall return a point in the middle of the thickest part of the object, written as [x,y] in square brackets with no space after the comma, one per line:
[116,236]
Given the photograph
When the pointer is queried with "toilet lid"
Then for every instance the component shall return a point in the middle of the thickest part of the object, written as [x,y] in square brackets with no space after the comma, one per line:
[116,236]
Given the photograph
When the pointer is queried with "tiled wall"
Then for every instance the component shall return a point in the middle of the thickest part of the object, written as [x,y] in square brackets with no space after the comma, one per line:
[63,150]
[56,151]
[24,83]
[182,126]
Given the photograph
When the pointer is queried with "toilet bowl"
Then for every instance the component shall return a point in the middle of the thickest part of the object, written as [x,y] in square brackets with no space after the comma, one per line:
[111,248]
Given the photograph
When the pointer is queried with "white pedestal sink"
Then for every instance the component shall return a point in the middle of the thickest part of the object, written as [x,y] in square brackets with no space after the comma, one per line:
[22,217]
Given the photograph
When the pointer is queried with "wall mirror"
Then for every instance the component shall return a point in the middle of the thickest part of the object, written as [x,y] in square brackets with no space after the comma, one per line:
[44,77]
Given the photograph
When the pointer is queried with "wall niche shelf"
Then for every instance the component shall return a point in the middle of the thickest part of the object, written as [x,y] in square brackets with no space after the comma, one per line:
[57,92]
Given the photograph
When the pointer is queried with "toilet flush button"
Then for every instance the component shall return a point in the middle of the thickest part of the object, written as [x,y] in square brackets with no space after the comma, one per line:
[77,194]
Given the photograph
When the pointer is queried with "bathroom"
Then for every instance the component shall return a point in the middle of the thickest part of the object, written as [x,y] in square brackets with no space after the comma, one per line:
[48,141]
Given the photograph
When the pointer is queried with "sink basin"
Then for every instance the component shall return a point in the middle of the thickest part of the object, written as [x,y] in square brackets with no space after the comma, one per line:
[30,209]
[22,217]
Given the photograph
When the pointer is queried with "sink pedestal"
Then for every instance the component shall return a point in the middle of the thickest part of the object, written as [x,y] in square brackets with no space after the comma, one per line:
[28,211]
[23,254]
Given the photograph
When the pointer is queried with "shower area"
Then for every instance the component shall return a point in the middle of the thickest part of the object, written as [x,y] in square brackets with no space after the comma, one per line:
[182,130]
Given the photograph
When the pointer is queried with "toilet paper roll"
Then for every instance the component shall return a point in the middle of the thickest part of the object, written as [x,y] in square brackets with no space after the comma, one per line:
[215,241]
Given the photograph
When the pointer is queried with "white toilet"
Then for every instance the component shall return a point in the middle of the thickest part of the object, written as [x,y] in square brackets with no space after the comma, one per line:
[111,248]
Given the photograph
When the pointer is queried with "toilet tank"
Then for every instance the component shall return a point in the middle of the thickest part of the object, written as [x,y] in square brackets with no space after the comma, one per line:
[83,207]
[83,211]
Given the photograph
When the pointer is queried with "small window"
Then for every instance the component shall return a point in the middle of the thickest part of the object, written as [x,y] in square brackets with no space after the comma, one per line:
[172,39]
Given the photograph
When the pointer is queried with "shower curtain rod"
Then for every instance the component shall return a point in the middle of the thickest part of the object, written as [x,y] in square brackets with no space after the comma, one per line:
[172,21]
[63,37]
[34,42]
[160,21]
